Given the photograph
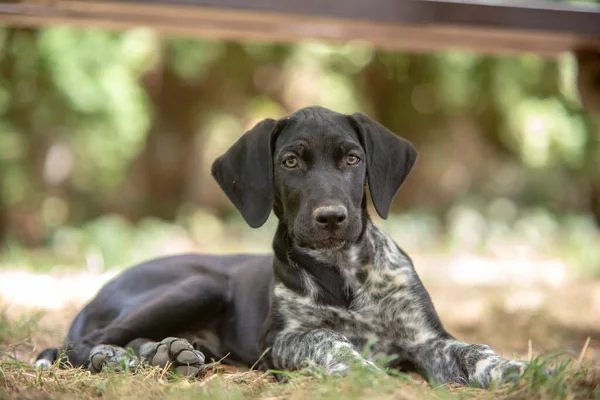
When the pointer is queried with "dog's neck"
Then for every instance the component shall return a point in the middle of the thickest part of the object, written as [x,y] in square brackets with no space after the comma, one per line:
[333,276]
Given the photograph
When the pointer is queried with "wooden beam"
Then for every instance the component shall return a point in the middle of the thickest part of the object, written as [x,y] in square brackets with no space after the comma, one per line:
[415,25]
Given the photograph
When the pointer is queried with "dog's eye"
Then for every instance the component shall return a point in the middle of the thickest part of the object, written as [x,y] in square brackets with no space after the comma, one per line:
[352,159]
[291,162]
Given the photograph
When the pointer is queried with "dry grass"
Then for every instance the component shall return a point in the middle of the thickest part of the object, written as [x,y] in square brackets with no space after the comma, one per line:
[22,381]
[524,332]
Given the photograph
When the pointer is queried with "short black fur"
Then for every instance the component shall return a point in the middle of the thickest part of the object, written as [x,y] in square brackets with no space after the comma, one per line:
[335,282]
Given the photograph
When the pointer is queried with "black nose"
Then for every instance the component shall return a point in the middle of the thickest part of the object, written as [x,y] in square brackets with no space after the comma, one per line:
[330,217]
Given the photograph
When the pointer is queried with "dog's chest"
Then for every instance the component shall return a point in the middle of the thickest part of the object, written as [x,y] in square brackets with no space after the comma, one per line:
[379,311]
[370,294]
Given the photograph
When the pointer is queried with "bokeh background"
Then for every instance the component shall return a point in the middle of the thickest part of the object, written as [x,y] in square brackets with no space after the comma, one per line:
[106,142]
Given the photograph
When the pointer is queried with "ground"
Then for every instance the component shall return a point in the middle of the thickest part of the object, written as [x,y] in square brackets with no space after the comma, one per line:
[537,319]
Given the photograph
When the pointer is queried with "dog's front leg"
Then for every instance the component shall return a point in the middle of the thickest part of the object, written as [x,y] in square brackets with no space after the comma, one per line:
[323,348]
[449,360]
[425,342]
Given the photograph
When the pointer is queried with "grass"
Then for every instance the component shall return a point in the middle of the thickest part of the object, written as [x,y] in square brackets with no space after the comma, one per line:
[25,331]
[17,332]
[573,378]
[18,380]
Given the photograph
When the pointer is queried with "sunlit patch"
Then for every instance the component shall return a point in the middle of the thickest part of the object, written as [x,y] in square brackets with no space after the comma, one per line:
[50,292]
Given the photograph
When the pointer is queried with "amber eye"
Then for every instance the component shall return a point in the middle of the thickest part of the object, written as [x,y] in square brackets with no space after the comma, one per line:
[291,162]
[352,159]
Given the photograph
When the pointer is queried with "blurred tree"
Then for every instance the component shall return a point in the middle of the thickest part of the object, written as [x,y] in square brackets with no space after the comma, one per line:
[159,171]
[68,98]
[3,219]
[94,122]
[192,81]
[24,112]
[494,112]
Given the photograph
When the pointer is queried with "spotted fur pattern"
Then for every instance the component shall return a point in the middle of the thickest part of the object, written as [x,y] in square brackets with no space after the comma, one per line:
[327,305]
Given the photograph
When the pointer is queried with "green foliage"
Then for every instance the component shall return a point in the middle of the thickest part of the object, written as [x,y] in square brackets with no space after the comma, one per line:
[96,74]
[79,130]
[191,58]
[77,91]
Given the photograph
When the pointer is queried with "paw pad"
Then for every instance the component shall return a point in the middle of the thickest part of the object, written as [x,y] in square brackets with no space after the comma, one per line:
[114,357]
[181,355]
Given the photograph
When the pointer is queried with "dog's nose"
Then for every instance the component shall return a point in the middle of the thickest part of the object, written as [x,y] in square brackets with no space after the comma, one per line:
[330,217]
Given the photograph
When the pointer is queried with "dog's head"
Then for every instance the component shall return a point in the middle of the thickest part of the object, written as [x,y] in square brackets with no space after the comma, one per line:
[311,169]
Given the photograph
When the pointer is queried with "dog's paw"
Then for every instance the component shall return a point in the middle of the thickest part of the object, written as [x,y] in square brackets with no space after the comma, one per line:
[177,353]
[43,364]
[113,357]
[496,371]
[510,371]
[343,368]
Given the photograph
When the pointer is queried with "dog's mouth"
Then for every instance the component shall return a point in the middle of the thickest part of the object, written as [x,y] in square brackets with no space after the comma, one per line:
[325,244]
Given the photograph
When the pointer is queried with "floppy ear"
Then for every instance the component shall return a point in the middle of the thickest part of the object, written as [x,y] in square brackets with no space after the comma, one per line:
[389,160]
[245,173]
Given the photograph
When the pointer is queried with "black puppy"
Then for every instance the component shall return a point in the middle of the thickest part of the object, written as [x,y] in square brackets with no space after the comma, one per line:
[335,283]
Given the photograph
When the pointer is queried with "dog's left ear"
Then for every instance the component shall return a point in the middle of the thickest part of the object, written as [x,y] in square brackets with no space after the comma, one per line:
[389,160]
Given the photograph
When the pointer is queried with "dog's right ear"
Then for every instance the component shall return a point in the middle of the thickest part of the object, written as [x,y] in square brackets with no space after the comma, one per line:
[245,173]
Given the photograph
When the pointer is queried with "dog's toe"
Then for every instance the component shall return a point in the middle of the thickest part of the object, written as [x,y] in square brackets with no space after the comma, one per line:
[114,357]
[178,345]
[187,357]
[161,358]
[180,354]
[97,361]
